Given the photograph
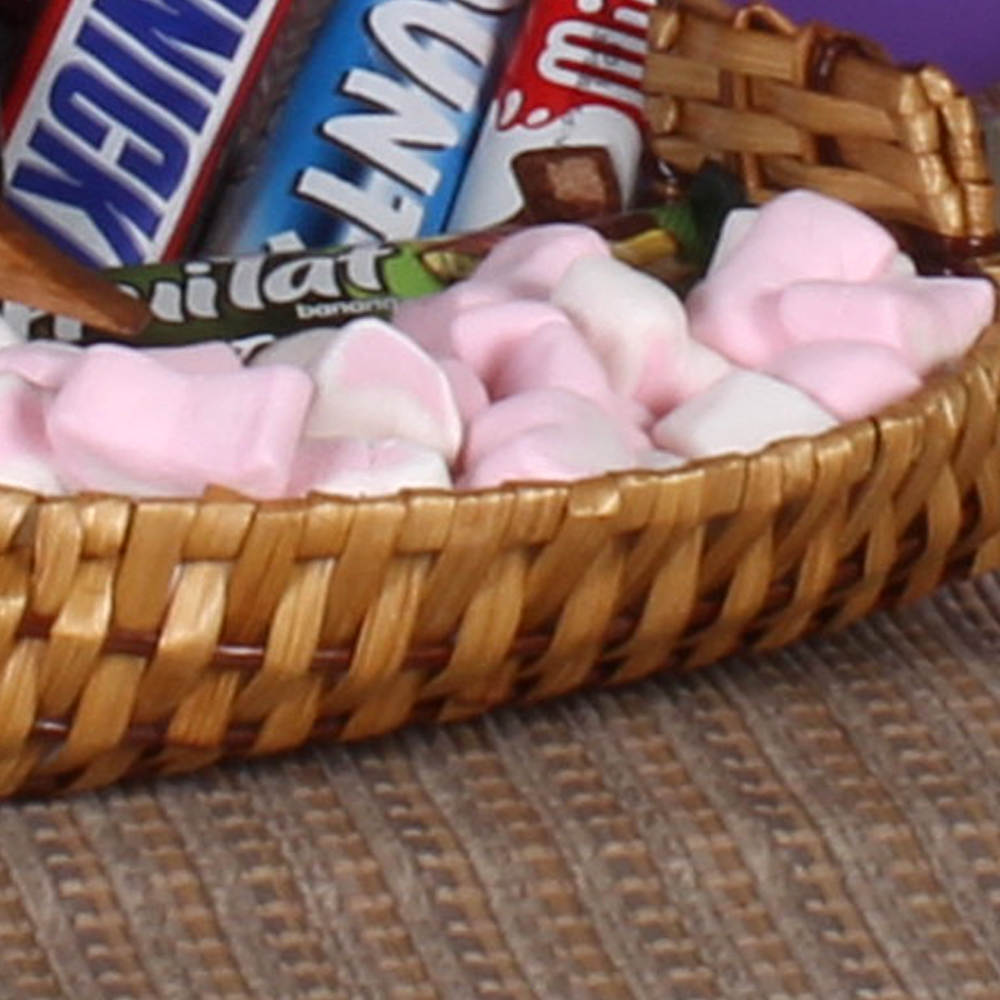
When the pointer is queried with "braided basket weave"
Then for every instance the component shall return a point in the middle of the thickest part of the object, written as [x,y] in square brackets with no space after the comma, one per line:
[156,637]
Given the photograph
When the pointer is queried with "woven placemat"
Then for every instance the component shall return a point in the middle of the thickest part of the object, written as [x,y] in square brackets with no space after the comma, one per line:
[823,822]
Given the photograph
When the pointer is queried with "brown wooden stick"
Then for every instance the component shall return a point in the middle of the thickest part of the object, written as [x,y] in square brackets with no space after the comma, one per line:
[38,274]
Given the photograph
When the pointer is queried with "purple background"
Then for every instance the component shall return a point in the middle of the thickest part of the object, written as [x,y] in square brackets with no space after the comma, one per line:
[962,36]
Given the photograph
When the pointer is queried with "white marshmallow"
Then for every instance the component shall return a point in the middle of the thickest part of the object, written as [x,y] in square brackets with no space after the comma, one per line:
[743,413]
[530,263]
[372,381]
[633,322]
[737,224]
[658,460]
[356,468]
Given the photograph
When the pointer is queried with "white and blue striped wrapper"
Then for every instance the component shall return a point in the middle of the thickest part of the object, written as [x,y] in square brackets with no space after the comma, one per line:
[373,139]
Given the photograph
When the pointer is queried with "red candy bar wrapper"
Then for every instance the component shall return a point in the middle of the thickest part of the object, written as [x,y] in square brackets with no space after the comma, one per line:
[118,116]
[563,134]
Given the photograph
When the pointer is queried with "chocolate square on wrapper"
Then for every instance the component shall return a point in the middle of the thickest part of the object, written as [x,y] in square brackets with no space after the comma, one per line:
[567,184]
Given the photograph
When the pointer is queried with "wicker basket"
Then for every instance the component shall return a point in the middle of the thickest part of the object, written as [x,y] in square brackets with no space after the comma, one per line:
[157,637]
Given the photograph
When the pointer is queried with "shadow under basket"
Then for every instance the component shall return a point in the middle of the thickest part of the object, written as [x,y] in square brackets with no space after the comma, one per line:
[143,637]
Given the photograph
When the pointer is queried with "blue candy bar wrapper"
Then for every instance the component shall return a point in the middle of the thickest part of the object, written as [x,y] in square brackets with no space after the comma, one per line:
[373,139]
[119,114]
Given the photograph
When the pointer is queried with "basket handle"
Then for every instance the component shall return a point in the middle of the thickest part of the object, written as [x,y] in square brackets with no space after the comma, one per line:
[788,106]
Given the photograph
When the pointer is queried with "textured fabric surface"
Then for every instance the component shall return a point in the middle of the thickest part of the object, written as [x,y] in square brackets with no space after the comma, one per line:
[823,822]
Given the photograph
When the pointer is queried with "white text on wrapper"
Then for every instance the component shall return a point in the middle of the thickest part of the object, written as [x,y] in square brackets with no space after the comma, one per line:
[333,286]
[121,118]
[312,283]
[408,115]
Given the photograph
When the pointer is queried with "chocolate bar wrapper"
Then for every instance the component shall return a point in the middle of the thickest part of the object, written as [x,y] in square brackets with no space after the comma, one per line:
[374,137]
[562,138]
[251,299]
[118,115]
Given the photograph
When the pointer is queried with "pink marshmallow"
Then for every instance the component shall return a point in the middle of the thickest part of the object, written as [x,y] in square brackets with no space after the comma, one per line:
[373,382]
[928,320]
[798,236]
[43,363]
[557,357]
[470,394]
[964,307]
[554,356]
[632,422]
[531,263]
[802,234]
[849,379]
[213,357]
[123,422]
[693,369]
[635,324]
[515,415]
[740,221]
[25,455]
[560,452]
[353,467]
[428,319]
[482,335]
[48,363]
[743,412]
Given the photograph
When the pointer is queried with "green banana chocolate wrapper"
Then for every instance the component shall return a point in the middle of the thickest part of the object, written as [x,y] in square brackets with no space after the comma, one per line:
[250,300]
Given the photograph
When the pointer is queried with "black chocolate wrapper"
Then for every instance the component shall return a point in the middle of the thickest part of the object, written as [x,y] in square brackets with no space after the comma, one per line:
[714,192]
[251,300]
